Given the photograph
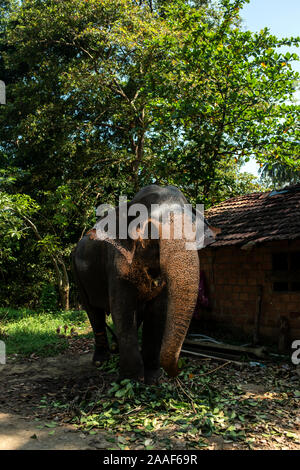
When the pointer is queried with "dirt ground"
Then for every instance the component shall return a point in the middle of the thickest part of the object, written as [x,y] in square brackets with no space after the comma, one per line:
[25,423]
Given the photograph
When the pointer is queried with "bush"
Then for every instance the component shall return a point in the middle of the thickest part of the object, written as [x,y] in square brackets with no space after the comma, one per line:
[49,298]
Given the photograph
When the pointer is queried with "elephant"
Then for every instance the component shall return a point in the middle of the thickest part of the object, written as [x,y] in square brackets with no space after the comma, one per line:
[148,280]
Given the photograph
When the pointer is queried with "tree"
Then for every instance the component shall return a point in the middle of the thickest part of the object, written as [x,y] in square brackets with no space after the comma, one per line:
[16,214]
[228,94]
[277,175]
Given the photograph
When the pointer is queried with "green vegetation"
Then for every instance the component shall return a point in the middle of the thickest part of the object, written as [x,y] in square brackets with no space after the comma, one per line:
[277,175]
[27,332]
[188,403]
[204,401]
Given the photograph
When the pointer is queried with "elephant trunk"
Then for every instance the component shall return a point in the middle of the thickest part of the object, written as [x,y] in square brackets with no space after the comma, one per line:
[181,270]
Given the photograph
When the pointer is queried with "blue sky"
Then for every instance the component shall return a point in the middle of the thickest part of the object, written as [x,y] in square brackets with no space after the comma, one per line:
[282,18]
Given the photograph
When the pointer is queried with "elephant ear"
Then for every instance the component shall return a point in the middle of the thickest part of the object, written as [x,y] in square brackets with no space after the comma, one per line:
[210,234]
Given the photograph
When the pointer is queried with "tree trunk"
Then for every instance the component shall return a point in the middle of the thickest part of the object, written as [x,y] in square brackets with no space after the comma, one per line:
[64,293]
[61,277]
[63,283]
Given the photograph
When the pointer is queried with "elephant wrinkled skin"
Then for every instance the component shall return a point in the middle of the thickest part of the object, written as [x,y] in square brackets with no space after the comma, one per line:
[150,280]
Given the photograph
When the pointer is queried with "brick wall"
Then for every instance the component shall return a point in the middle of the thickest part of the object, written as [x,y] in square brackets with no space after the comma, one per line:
[233,278]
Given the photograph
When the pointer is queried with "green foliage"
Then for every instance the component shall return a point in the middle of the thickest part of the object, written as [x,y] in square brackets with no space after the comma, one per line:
[13,209]
[189,404]
[232,92]
[106,78]
[277,175]
[204,400]
[49,299]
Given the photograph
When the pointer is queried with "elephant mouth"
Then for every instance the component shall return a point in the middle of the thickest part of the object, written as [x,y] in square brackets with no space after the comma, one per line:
[144,273]
[149,286]
[148,281]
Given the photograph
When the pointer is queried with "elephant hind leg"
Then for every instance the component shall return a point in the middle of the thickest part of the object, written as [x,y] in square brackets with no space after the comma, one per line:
[97,321]
[153,330]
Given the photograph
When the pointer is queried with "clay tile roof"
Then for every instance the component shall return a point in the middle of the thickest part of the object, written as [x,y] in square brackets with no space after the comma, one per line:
[257,217]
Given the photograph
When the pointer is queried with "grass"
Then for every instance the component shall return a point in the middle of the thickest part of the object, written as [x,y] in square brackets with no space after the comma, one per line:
[26,332]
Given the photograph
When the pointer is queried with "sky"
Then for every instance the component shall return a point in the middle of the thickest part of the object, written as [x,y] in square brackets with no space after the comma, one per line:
[282,18]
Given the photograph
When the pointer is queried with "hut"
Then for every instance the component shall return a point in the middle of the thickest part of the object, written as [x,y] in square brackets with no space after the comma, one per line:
[252,270]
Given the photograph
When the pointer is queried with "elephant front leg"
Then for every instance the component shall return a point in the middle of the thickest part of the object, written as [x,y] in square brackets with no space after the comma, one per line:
[153,330]
[123,301]
[97,320]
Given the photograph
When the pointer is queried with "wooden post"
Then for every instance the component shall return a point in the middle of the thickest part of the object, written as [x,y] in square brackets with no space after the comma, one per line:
[257,314]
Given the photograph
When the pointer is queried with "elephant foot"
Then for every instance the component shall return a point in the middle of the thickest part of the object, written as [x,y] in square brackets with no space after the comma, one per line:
[152,376]
[100,356]
[136,376]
